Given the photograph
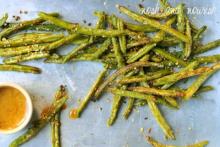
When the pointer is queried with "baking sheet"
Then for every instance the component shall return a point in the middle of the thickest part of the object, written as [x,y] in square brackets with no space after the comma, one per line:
[198,119]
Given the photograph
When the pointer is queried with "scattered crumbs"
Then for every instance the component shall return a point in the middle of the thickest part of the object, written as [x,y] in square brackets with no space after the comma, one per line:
[140,6]
[84,21]
[90,24]
[146,118]
[108,100]
[190,129]
[20,11]
[142,130]
[17,18]
[25,12]
[149,130]
[100,108]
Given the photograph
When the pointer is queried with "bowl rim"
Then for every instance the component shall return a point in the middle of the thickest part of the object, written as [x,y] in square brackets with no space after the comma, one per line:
[29,108]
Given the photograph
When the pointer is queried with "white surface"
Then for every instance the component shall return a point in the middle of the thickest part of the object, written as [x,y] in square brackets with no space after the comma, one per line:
[202,115]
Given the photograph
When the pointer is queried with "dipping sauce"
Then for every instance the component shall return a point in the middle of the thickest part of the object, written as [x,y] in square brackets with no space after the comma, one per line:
[12,108]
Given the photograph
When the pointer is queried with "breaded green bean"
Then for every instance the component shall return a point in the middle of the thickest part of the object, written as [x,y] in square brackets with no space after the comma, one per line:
[168,42]
[115,107]
[102,49]
[155,143]
[198,35]
[180,75]
[122,39]
[132,94]
[14,51]
[145,77]
[188,46]
[7,31]
[27,40]
[189,67]
[181,23]
[207,47]
[55,130]
[57,21]
[129,107]
[204,89]
[153,23]
[91,92]
[143,51]
[45,27]
[137,43]
[3,19]
[26,57]
[155,91]
[38,125]
[199,81]
[20,68]
[122,71]
[208,59]
[74,52]
[117,52]
[170,57]
[172,101]
[140,28]
[161,120]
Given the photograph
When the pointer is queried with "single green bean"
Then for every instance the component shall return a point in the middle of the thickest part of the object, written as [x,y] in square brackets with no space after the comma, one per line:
[207,47]
[180,75]
[115,107]
[90,94]
[20,68]
[199,81]
[161,92]
[141,52]
[170,57]
[188,46]
[145,77]
[137,43]
[140,28]
[26,57]
[198,35]
[169,41]
[45,27]
[122,39]
[160,120]
[55,130]
[129,107]
[3,19]
[117,52]
[172,101]
[208,59]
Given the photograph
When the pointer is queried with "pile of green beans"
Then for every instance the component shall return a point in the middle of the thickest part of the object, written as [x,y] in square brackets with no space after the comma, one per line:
[146,70]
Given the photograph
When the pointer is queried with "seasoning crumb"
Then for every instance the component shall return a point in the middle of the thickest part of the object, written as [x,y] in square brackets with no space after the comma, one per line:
[142,130]
[100,108]
[145,118]
[90,24]
[190,128]
[20,11]
[25,12]
[140,6]
[149,130]
[84,21]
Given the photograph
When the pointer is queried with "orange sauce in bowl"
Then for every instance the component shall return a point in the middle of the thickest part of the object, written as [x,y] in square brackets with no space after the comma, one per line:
[12,108]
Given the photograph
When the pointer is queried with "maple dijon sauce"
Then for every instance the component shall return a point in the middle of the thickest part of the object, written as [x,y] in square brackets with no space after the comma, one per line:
[12,108]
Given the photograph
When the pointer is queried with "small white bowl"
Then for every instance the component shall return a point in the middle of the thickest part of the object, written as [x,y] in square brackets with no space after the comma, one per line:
[29,108]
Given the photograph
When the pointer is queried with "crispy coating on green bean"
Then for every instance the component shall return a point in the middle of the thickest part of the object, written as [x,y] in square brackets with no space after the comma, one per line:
[20,68]
[30,40]
[143,51]
[140,27]
[117,52]
[170,57]
[161,92]
[207,47]
[26,57]
[161,120]
[45,27]
[188,46]
[180,75]
[90,94]
[129,108]
[3,19]
[198,35]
